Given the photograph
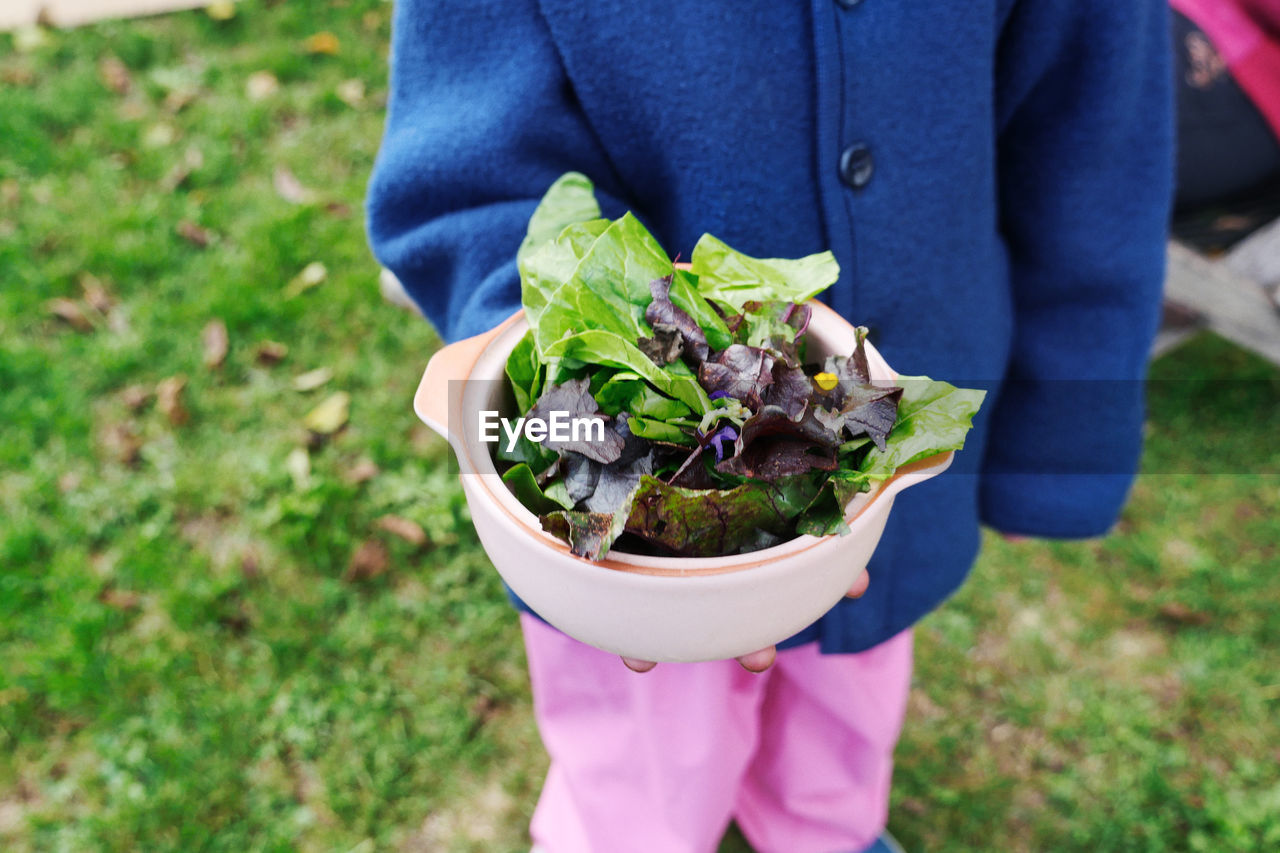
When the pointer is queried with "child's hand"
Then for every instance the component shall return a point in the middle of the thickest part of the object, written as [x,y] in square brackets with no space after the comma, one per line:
[763,659]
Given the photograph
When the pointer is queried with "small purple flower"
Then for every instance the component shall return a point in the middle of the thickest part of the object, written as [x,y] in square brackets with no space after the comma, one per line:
[718,395]
[720,436]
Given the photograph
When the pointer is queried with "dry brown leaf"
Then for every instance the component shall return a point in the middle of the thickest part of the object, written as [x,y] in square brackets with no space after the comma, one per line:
[250,564]
[409,531]
[114,74]
[369,561]
[312,275]
[323,42]
[95,293]
[136,397]
[214,339]
[123,443]
[260,85]
[312,379]
[18,75]
[337,209]
[271,352]
[70,312]
[119,599]
[192,160]
[362,472]
[194,234]
[289,188]
[1180,614]
[330,416]
[169,399]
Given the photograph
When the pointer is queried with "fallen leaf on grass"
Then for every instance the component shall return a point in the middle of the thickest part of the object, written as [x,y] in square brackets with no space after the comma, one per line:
[271,352]
[298,464]
[250,565]
[70,313]
[260,85]
[119,599]
[312,275]
[114,74]
[95,293]
[135,397]
[289,188]
[351,92]
[159,135]
[362,472]
[169,399]
[192,160]
[28,39]
[312,379]
[330,416]
[409,531]
[194,234]
[323,43]
[214,339]
[1177,613]
[369,561]
[221,10]
[123,443]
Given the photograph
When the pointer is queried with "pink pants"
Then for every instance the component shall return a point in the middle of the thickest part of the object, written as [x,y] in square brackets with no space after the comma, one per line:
[659,762]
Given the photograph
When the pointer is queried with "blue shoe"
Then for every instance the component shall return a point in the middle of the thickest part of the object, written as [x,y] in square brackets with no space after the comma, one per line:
[886,843]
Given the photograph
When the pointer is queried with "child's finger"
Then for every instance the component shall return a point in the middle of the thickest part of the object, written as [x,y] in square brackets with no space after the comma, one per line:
[759,661]
[859,585]
[636,665]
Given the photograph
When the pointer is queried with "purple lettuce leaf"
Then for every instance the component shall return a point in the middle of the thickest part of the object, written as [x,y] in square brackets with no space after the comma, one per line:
[772,445]
[663,312]
[666,345]
[870,410]
[714,522]
[574,397]
[740,372]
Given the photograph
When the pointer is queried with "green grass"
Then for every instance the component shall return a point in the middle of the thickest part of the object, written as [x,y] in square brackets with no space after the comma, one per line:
[183,666]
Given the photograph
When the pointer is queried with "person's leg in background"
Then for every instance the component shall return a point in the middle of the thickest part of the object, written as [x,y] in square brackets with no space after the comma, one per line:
[1225,147]
[640,763]
[819,780]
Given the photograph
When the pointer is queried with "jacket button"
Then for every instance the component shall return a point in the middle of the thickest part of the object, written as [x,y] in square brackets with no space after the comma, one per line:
[856,165]
[847,4]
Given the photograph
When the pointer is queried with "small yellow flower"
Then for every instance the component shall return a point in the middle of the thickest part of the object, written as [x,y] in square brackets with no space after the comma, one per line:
[826,381]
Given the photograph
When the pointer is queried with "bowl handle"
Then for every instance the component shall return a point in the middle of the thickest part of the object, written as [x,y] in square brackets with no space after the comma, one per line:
[440,391]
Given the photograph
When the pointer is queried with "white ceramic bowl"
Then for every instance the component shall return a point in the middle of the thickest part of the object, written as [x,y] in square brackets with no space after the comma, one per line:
[651,608]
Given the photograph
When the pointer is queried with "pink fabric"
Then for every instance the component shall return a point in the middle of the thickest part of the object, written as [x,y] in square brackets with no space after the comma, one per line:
[1246,33]
[801,756]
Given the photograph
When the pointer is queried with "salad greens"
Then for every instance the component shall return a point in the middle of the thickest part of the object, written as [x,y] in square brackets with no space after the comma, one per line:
[719,437]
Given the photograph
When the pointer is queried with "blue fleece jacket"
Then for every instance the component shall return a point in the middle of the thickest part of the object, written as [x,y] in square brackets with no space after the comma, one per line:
[993,177]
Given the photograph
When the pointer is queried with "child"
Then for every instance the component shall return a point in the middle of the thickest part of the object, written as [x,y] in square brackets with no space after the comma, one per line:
[993,178]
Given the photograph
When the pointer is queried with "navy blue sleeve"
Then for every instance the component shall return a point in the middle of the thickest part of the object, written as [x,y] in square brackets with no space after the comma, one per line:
[1085,170]
[481,120]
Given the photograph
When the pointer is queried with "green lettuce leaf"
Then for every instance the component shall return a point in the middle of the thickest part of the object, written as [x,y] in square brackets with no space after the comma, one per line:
[525,370]
[933,418]
[731,278]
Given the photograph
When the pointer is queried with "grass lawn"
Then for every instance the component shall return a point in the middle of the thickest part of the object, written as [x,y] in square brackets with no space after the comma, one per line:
[209,640]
